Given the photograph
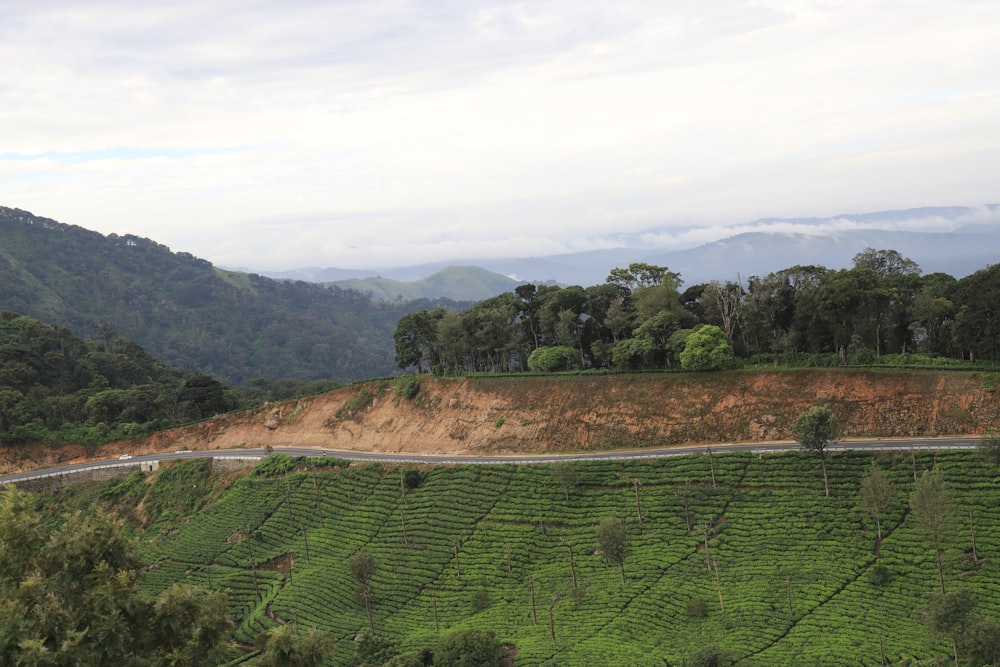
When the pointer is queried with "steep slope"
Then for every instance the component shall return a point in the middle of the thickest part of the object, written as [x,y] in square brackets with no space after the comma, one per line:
[510,415]
[188,313]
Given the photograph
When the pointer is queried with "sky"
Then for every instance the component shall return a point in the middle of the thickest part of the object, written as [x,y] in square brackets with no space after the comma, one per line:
[273,135]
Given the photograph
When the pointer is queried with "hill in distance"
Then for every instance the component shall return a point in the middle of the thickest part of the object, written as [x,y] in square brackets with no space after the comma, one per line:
[190,314]
[460,283]
[958,253]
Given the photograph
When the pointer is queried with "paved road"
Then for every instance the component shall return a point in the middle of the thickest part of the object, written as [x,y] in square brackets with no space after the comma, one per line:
[903,444]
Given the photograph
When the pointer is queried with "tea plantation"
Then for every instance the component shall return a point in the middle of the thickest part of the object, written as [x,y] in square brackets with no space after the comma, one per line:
[734,551]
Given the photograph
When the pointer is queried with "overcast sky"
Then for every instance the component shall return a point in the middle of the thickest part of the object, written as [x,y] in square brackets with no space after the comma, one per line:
[277,134]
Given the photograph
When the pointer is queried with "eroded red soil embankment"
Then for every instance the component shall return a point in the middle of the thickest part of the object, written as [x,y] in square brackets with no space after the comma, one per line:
[510,414]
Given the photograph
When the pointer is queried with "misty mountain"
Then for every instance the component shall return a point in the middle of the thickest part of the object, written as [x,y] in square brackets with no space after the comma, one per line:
[460,283]
[968,248]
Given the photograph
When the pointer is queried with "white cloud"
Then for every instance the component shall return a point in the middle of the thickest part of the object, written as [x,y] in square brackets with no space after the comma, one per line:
[396,130]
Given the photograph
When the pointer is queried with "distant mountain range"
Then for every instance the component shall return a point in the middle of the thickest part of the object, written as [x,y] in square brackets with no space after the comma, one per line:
[958,252]
[240,326]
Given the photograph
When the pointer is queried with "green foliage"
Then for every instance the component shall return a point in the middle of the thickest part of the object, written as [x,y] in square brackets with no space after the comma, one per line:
[566,475]
[796,569]
[412,478]
[877,494]
[181,488]
[815,428]
[408,660]
[236,327]
[706,349]
[461,283]
[285,646]
[469,648]
[362,566]
[55,387]
[932,504]
[407,386]
[69,595]
[375,651]
[697,608]
[801,316]
[352,409]
[879,575]
[949,615]
[553,359]
[612,541]
[709,656]
[276,465]
[989,448]
[480,601]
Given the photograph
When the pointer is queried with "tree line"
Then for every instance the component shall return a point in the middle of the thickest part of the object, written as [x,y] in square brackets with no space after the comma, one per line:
[640,318]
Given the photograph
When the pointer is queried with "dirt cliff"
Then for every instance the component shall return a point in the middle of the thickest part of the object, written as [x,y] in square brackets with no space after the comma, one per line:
[511,414]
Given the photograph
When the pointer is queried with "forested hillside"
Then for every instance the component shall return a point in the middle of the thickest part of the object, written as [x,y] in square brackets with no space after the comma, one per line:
[189,314]
[58,388]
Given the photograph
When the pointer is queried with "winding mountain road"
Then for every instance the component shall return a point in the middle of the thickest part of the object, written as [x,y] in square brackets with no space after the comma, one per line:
[898,444]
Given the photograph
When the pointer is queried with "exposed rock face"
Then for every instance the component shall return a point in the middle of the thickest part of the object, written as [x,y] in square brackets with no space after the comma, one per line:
[513,414]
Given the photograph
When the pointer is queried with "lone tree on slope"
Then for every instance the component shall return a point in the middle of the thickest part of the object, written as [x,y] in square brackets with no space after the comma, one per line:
[877,494]
[612,540]
[814,430]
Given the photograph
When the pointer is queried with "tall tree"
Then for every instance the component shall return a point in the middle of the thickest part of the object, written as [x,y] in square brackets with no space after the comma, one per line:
[363,566]
[933,507]
[948,615]
[815,429]
[612,540]
[877,494]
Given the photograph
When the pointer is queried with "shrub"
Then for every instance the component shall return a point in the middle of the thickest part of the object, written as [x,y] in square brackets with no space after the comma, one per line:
[709,656]
[275,465]
[879,575]
[356,404]
[480,600]
[407,386]
[470,648]
[697,608]
[552,359]
[862,357]
[989,448]
[706,349]
[412,478]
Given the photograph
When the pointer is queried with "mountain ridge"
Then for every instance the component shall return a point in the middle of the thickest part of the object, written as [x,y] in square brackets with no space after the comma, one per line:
[967,248]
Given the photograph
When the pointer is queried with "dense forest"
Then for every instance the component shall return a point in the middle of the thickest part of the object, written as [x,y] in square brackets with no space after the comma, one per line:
[56,387]
[237,327]
[881,310]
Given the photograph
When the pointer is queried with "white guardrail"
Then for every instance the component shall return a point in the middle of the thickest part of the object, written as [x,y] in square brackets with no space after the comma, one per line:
[446,460]
[13,479]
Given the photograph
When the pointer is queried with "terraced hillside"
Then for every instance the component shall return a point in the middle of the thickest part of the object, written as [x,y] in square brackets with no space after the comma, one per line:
[735,551]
